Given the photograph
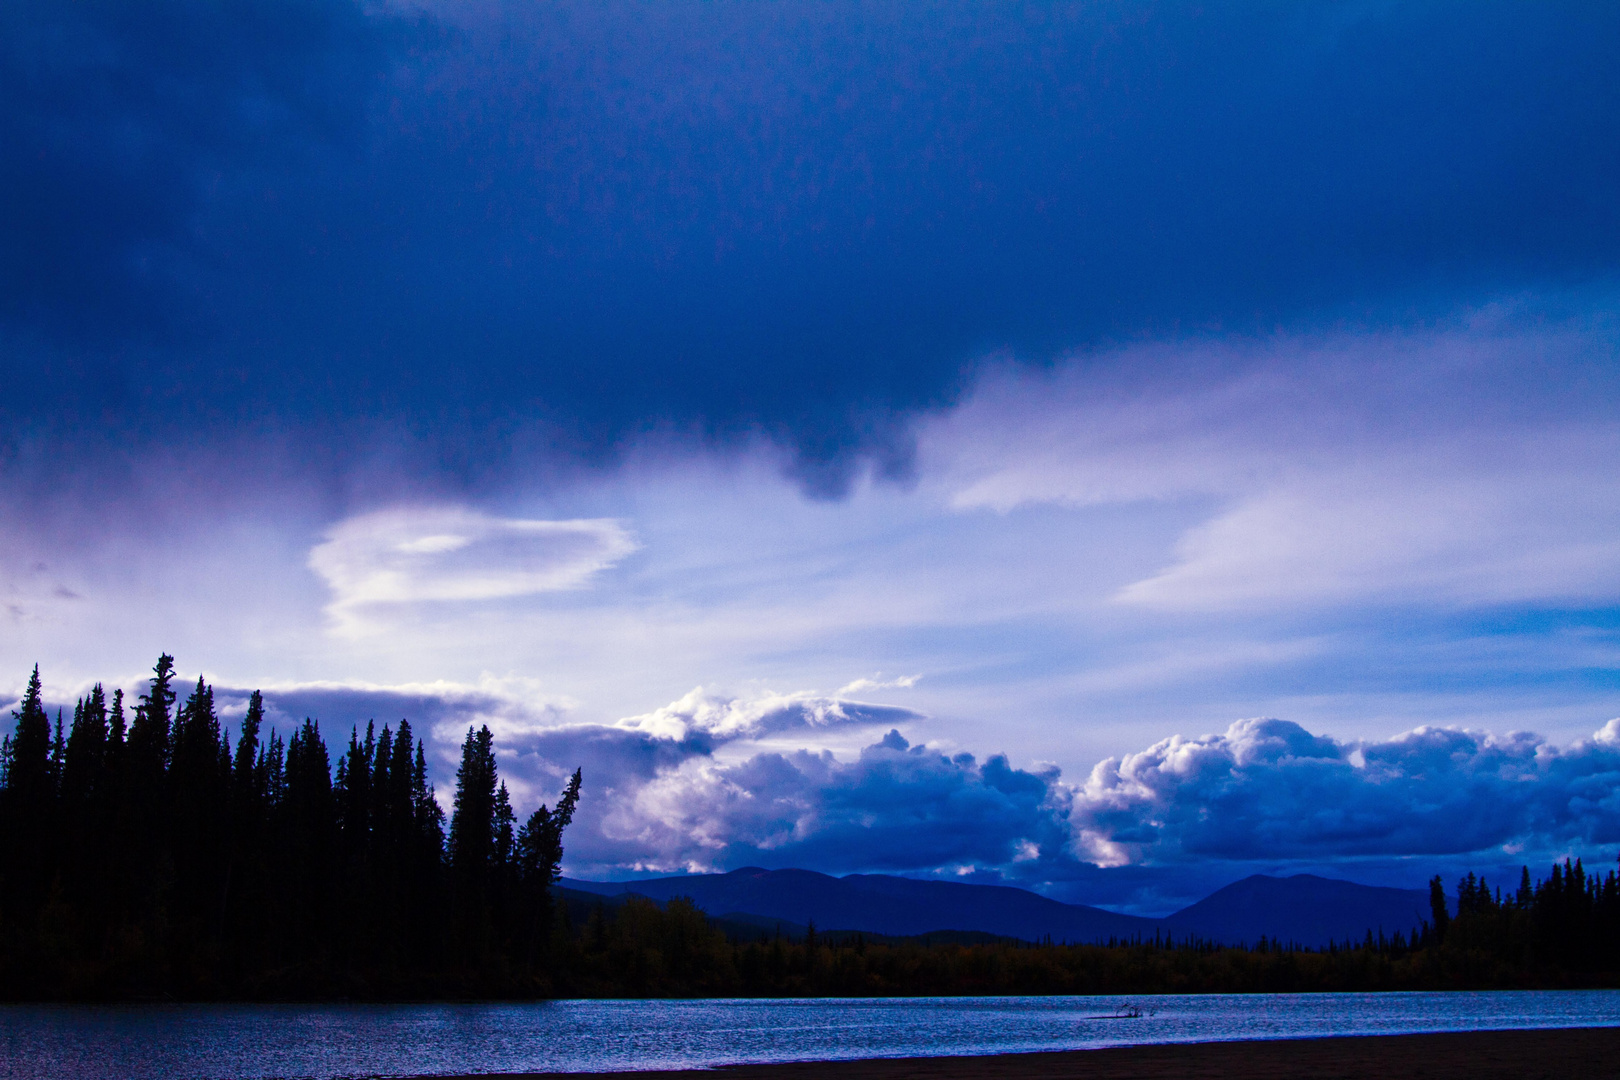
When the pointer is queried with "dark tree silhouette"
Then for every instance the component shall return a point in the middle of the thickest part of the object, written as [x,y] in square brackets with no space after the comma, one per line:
[30,811]
[157,857]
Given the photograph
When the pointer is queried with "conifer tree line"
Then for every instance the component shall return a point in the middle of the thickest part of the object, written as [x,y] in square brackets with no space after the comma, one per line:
[1562,931]
[1568,921]
[143,853]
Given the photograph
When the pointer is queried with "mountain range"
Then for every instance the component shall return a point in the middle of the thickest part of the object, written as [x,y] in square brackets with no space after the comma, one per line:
[1304,908]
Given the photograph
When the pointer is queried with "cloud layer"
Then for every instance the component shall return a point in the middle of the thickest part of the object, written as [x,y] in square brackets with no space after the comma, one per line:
[478,234]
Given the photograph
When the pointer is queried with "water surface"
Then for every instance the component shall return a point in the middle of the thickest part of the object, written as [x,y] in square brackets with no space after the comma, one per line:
[226,1042]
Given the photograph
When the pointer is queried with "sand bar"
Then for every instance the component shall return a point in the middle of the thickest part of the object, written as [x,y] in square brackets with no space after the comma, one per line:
[1569,1054]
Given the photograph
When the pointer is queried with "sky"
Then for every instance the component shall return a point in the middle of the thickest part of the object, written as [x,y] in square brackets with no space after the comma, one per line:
[1108,448]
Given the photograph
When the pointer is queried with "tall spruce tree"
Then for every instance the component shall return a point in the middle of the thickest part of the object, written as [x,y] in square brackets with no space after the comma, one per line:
[247,878]
[28,830]
[85,788]
[472,845]
[539,846]
[538,859]
[86,755]
[150,734]
[310,843]
[144,812]
[117,728]
[425,858]
[199,785]
[472,819]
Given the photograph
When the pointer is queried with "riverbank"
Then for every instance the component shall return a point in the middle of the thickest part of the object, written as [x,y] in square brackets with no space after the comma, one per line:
[1588,1053]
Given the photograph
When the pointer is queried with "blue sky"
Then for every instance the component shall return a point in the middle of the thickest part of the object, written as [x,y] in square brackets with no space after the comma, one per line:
[918,438]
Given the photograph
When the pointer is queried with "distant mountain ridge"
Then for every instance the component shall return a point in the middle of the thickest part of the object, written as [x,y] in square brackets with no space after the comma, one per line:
[882,904]
[1304,908]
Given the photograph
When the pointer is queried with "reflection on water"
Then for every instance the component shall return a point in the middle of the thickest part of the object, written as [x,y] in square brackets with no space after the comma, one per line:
[213,1042]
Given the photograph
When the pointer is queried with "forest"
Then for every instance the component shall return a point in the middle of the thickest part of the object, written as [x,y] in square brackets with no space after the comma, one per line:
[145,856]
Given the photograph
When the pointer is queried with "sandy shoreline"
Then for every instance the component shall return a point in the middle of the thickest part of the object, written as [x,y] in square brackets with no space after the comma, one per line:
[1583,1053]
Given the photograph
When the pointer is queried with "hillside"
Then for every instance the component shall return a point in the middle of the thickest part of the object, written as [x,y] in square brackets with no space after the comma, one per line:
[1305,909]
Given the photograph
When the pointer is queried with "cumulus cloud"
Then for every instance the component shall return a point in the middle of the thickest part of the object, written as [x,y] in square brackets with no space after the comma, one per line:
[1269,790]
[1184,815]
[726,718]
[1148,831]
[895,807]
[633,763]
[445,553]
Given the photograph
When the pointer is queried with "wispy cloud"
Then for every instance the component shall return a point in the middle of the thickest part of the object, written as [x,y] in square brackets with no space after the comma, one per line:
[864,685]
[1450,463]
[451,554]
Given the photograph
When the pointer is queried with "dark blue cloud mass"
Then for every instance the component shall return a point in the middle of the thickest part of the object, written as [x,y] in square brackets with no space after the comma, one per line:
[480,232]
[1268,789]
[1150,831]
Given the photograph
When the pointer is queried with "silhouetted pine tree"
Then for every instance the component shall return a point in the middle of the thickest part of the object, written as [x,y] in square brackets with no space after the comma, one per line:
[86,750]
[248,882]
[150,734]
[85,792]
[425,859]
[351,792]
[199,786]
[145,867]
[58,754]
[1439,910]
[472,845]
[28,827]
[308,848]
[538,861]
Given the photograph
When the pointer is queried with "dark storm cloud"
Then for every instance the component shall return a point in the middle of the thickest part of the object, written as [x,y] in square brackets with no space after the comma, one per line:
[122,119]
[501,228]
